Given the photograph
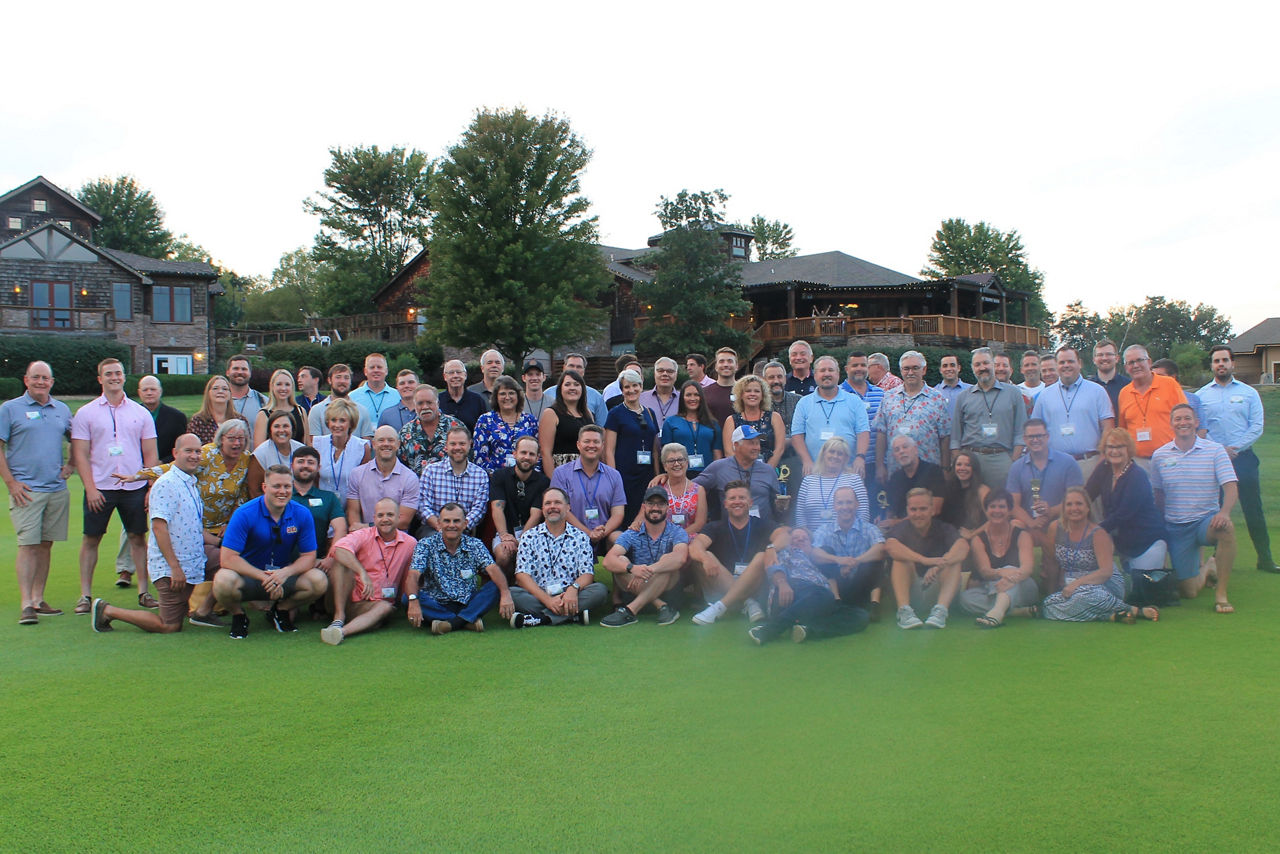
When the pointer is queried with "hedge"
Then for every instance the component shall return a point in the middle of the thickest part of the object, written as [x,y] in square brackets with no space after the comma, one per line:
[74,360]
[173,384]
[295,354]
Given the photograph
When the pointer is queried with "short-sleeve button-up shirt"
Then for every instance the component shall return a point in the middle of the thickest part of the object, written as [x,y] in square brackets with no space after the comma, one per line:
[925,417]
[418,447]
[553,561]
[449,577]
[175,498]
[644,550]
[440,486]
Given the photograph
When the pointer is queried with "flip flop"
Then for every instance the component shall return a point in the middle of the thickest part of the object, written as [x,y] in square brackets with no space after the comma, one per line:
[1224,607]
[988,622]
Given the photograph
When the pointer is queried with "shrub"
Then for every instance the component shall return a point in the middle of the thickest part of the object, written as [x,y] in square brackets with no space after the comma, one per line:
[173,384]
[74,360]
[10,387]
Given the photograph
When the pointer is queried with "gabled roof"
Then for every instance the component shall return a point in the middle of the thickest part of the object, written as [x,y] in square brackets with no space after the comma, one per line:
[45,247]
[618,262]
[1266,332]
[164,266]
[406,271]
[54,189]
[719,227]
[831,269]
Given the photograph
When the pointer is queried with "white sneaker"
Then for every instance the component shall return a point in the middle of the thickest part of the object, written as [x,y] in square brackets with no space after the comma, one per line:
[332,633]
[937,617]
[709,614]
[753,611]
[907,618]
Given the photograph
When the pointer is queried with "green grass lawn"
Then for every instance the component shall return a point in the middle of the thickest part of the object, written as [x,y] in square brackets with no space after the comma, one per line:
[1038,737]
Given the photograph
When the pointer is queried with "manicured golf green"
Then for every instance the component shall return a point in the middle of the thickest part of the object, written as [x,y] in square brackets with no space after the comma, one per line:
[1038,736]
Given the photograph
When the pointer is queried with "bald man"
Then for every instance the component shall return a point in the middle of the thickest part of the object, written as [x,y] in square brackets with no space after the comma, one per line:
[384,476]
[368,570]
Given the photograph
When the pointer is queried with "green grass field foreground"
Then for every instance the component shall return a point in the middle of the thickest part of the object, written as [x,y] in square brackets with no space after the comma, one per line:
[1040,737]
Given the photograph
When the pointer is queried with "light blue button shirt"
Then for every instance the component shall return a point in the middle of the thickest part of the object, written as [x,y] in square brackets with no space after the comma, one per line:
[1232,414]
[1072,414]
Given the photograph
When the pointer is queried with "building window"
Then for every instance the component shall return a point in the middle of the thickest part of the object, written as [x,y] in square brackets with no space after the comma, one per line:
[51,304]
[739,249]
[171,363]
[122,300]
[39,205]
[65,223]
[15,223]
[170,304]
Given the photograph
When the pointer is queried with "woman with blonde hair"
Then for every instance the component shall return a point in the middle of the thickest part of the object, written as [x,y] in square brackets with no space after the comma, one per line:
[340,452]
[281,400]
[753,405]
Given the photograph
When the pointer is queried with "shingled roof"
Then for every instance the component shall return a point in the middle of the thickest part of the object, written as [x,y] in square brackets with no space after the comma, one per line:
[1266,332]
[55,190]
[163,266]
[830,269]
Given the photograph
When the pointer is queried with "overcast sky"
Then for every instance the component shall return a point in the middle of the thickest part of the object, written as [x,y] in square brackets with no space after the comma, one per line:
[1135,147]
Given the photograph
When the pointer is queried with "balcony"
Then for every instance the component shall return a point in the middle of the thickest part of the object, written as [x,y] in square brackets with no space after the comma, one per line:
[101,321]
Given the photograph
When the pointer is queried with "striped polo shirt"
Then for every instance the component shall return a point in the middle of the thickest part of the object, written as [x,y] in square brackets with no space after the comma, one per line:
[1190,479]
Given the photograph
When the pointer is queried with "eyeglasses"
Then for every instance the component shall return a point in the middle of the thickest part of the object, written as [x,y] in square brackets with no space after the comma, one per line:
[1129,362]
[1035,438]
[677,461]
[905,368]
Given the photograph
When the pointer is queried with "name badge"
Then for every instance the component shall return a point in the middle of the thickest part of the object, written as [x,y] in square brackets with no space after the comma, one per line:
[755,511]
[732,398]
[33,416]
[739,568]
[466,574]
[1067,430]
[678,518]
[315,502]
[904,430]
[989,430]
[825,435]
[592,514]
[1235,398]
[511,460]
[271,566]
[388,593]
[1144,435]
[695,461]
[292,529]
[644,458]
[555,589]
[827,513]
[115,450]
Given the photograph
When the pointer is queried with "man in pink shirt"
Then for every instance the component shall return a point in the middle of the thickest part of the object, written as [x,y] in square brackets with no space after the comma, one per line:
[112,435]
[368,566]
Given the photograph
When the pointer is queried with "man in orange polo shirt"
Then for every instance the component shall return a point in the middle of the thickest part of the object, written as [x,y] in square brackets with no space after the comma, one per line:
[1144,406]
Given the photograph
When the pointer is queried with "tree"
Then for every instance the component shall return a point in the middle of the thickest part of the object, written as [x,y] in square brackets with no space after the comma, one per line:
[959,249]
[514,261]
[297,274]
[696,287]
[132,220]
[773,238]
[1160,325]
[374,216]
[1079,329]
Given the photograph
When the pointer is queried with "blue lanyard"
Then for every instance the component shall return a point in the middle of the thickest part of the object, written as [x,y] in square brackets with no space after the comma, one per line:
[339,471]
[1074,394]
[377,408]
[197,501]
[827,413]
[826,499]
[596,479]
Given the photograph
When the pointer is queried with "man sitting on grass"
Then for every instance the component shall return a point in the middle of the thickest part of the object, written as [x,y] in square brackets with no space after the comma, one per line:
[378,557]
[647,562]
[927,555]
[555,568]
[269,555]
[807,602]
[175,552]
[441,584]
[731,554]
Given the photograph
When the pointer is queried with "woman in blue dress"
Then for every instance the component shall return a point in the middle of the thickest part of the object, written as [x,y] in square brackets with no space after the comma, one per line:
[497,430]
[693,427]
[1091,586]
[631,442]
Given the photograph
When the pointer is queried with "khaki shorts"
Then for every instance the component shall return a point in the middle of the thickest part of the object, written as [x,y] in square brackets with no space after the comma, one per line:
[173,606]
[44,519]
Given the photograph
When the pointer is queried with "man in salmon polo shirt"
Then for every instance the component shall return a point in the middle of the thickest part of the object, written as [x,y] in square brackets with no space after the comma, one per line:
[368,567]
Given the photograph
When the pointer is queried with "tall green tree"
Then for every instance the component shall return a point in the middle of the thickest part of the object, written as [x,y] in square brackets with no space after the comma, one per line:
[959,249]
[773,238]
[1079,328]
[1161,325]
[514,262]
[696,285]
[132,220]
[375,214]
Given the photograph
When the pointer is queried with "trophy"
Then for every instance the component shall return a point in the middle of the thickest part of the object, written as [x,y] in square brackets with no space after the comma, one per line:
[784,497]
[1035,494]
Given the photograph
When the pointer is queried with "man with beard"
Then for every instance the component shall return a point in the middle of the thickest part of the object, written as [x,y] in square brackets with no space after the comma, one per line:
[515,501]
[455,479]
[245,400]
[988,420]
[1105,358]
[325,508]
[555,570]
[340,385]
[951,385]
[647,562]
[745,466]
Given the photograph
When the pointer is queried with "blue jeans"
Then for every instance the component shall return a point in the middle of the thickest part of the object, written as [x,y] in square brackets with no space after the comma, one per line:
[483,599]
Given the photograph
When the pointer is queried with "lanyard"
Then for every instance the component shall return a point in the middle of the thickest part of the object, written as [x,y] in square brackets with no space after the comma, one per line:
[1075,392]
[377,407]
[746,543]
[386,568]
[196,500]
[990,405]
[596,479]
[111,410]
[650,546]
[339,471]
[827,413]
[458,480]
[244,401]
[826,499]
[662,410]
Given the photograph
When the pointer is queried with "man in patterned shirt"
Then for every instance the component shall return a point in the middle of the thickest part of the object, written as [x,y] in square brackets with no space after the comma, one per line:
[441,583]
[647,562]
[913,409]
[852,550]
[456,479]
[422,439]
[555,568]
[175,550]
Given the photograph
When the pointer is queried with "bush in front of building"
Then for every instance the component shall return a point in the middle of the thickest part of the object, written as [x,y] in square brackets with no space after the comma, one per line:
[74,359]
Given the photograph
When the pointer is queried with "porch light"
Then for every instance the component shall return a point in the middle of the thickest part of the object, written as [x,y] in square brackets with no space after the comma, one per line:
[199,356]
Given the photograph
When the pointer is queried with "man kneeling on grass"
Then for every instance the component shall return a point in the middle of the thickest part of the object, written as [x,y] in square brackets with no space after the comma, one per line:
[927,554]
[175,552]
[555,568]
[441,584]
[269,555]
[377,557]
[647,562]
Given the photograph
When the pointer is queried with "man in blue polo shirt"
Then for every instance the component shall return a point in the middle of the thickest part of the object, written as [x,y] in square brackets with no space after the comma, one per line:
[830,411]
[269,555]
[1233,417]
[1076,412]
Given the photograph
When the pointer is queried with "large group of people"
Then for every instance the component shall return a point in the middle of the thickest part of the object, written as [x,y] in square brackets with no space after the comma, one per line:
[1061,497]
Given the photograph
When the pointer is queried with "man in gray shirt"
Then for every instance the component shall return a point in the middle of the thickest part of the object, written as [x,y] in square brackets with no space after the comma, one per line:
[988,420]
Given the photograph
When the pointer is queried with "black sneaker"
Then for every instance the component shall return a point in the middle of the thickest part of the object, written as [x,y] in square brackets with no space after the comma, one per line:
[521,620]
[667,615]
[240,626]
[619,618]
[281,620]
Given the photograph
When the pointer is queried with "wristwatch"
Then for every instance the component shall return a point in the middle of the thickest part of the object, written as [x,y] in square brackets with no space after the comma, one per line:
[413,597]
[629,565]
[576,586]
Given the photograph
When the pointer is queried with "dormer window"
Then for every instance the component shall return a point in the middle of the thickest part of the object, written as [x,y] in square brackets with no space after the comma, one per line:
[39,205]
[65,223]
[15,223]
[738,247]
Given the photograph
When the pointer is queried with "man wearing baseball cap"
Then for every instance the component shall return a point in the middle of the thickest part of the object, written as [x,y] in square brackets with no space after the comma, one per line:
[647,562]
[533,377]
[744,465]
